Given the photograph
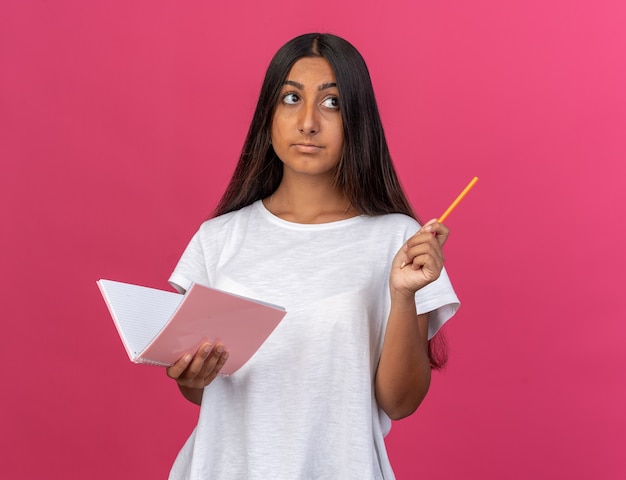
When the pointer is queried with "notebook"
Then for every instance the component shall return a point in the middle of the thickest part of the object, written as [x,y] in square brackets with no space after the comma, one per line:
[158,327]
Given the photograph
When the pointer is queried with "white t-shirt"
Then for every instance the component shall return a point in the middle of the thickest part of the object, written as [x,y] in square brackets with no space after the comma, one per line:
[303,407]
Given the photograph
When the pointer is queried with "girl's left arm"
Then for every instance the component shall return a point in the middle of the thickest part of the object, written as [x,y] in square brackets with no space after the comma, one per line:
[403,373]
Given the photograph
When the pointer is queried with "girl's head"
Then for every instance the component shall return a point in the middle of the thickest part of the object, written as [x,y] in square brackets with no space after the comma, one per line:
[365,172]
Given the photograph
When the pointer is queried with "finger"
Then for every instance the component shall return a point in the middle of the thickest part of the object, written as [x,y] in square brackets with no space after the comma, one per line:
[440,231]
[197,363]
[414,246]
[176,370]
[217,368]
[428,266]
[222,361]
[422,239]
[211,361]
[401,259]
[421,253]
[431,232]
[427,258]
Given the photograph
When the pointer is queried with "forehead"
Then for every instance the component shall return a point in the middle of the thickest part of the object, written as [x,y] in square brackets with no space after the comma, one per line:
[311,71]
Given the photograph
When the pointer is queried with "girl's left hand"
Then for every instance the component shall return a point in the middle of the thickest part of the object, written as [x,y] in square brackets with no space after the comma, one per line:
[420,260]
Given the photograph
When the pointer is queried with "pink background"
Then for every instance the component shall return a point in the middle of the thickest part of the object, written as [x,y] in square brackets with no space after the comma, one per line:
[120,122]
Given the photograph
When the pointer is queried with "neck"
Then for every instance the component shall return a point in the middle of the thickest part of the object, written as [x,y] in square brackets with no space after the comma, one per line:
[300,204]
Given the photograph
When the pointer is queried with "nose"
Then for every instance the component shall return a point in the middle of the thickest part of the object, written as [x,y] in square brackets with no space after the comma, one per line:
[308,121]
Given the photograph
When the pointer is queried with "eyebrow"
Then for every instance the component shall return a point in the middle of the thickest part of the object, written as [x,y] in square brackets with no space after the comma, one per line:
[323,86]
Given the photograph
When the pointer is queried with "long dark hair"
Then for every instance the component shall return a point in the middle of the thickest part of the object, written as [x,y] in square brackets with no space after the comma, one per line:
[365,172]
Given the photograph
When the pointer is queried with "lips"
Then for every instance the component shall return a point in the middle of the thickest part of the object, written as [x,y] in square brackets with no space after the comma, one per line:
[307,147]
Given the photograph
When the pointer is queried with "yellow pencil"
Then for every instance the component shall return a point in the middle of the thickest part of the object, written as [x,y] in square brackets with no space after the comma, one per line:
[458,199]
[453,205]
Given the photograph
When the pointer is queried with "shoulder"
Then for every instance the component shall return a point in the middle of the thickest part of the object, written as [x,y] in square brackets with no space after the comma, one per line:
[384,233]
[227,222]
[392,223]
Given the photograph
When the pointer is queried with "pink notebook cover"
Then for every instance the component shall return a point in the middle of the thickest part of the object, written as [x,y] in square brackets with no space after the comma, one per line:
[203,314]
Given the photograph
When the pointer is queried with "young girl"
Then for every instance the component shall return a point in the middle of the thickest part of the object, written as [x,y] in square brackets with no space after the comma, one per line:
[314,219]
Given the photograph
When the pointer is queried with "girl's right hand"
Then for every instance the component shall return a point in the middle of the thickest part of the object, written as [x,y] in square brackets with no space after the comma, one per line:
[197,371]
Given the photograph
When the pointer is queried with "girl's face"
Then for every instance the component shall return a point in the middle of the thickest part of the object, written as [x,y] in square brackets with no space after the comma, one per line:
[307,129]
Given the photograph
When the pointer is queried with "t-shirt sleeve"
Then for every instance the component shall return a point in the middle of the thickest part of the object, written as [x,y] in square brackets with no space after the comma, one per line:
[439,300]
[191,267]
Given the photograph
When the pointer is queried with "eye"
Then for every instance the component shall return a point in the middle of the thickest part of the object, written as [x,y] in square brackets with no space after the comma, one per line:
[290,98]
[331,102]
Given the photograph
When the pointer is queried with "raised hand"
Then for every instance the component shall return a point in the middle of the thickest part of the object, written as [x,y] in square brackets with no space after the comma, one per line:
[420,260]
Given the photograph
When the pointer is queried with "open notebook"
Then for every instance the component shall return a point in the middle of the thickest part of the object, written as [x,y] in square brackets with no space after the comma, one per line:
[159,327]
